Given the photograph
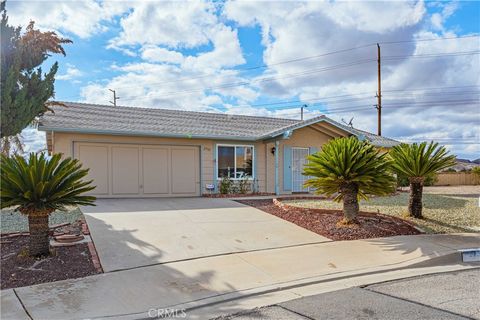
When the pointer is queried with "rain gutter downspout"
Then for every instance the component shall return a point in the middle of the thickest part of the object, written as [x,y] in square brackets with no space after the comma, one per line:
[277,149]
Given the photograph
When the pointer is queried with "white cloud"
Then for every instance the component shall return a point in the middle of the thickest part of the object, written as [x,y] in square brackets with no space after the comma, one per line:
[34,140]
[174,24]
[296,29]
[374,16]
[226,51]
[81,18]
[157,54]
[187,54]
[167,77]
[71,73]
[438,18]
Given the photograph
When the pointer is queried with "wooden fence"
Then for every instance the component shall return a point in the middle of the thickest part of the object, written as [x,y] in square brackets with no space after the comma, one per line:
[456,179]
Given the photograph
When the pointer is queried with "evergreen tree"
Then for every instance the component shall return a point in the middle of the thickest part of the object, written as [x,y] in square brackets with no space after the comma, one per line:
[25,90]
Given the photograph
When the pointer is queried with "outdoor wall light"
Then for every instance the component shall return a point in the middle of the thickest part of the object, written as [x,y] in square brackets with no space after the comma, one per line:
[273,150]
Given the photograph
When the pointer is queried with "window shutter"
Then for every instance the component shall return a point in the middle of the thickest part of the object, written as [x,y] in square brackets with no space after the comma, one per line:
[287,168]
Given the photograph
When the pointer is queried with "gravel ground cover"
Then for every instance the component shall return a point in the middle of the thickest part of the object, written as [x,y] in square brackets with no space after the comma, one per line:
[14,221]
[443,212]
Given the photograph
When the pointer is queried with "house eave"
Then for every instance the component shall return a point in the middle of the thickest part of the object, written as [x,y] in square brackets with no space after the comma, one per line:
[303,125]
[145,134]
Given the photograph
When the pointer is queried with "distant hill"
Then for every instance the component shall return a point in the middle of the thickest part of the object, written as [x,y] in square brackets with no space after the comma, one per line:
[464,165]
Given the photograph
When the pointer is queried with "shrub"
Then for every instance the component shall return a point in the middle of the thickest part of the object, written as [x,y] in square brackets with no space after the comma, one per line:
[349,169]
[38,186]
[226,185]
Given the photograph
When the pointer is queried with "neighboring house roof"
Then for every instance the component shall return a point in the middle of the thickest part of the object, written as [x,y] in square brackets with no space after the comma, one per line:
[462,165]
[104,119]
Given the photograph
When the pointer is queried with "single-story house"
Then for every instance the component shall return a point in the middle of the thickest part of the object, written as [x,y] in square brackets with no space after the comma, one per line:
[144,152]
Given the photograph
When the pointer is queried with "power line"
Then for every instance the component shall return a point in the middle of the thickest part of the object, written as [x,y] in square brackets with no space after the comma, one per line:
[264,66]
[287,76]
[388,58]
[261,80]
[432,55]
[327,101]
[430,39]
[308,58]
[317,56]
[433,102]
[433,88]
[413,95]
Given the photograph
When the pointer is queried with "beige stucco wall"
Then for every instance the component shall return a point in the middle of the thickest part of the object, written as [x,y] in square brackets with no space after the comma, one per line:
[264,160]
[63,143]
[302,138]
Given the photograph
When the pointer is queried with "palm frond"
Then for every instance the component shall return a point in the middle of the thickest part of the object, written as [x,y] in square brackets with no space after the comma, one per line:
[420,159]
[40,183]
[344,161]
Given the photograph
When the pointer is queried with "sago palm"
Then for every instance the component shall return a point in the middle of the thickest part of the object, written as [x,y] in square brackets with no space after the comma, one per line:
[351,170]
[417,161]
[38,187]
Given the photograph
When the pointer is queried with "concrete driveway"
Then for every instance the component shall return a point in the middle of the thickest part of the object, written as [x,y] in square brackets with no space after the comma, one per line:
[130,233]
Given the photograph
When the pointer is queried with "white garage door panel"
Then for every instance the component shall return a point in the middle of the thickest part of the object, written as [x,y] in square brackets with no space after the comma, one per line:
[131,170]
[184,173]
[155,170]
[96,159]
[125,170]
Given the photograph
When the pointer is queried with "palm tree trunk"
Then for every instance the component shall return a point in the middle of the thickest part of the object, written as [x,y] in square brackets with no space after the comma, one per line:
[39,241]
[350,203]
[415,202]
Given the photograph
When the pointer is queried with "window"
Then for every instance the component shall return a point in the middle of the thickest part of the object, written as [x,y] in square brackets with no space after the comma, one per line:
[234,161]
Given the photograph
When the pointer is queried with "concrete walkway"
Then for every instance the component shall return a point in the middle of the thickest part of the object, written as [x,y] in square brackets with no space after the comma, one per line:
[129,233]
[209,287]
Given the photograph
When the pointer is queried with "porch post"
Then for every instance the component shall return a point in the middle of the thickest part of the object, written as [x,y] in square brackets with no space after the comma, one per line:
[277,150]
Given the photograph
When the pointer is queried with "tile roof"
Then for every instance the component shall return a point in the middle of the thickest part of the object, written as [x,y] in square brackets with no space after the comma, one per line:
[93,118]
[376,140]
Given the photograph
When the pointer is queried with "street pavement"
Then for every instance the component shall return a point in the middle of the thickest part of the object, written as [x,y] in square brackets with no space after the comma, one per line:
[453,295]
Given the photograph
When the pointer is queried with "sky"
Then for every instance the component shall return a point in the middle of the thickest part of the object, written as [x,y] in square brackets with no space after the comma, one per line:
[269,58]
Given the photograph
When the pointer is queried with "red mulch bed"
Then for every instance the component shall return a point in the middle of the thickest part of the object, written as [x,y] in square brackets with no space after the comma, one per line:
[324,222]
[236,195]
[18,269]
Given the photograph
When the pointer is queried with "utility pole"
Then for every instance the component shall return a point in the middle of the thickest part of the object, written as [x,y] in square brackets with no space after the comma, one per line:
[379,93]
[115,98]
[301,111]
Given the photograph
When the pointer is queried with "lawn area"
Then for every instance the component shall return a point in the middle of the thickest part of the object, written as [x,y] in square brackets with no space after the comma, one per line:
[442,213]
[14,221]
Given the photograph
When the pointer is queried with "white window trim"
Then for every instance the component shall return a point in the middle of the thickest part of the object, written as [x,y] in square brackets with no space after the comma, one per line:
[235,159]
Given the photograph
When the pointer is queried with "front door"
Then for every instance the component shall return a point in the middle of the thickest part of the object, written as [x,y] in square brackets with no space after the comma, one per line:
[299,160]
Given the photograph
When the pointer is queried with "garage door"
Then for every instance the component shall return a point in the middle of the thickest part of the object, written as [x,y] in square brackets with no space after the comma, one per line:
[126,170]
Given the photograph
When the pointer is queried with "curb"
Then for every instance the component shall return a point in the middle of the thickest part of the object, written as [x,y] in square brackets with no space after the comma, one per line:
[92,249]
[344,279]
[279,202]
